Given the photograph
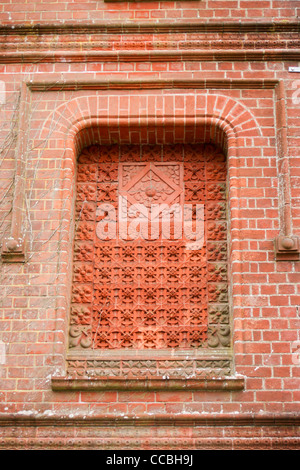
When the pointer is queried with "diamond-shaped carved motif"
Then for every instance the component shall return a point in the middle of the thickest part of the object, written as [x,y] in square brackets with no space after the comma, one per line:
[151,183]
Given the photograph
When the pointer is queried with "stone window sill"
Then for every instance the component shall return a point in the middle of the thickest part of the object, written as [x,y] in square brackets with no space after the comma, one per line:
[60,383]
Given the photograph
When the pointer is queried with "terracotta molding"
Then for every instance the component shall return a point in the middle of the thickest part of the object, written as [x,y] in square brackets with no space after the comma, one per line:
[153,27]
[150,56]
[7,420]
[151,384]
[157,84]
[65,442]
[276,431]
[287,245]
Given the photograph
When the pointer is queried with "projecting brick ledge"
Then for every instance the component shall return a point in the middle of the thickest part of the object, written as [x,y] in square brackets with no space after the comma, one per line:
[140,431]
[138,384]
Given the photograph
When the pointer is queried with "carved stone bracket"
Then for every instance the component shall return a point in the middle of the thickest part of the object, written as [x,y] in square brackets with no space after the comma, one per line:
[230,41]
[287,248]
[13,250]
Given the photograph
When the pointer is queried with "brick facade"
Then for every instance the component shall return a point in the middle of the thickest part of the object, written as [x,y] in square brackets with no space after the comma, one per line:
[213,74]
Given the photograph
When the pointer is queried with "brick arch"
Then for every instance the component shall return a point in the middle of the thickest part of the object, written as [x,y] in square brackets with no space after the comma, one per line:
[207,117]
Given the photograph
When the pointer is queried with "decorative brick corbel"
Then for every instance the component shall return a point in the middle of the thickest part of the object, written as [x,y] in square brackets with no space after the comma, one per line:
[13,246]
[287,248]
[13,250]
[287,245]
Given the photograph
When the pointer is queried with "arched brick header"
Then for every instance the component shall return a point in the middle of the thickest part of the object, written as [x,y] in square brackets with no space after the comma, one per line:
[222,119]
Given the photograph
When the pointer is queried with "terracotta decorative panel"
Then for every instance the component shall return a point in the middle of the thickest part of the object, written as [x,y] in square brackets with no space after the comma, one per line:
[143,276]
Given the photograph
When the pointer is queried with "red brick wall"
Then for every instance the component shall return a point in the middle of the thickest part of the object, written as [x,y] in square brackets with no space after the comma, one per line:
[43,11]
[248,103]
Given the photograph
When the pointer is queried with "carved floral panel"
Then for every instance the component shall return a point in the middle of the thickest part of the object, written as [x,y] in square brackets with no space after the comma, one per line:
[138,280]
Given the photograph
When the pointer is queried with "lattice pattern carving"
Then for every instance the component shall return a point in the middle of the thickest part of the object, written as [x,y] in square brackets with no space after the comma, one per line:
[150,293]
[204,368]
